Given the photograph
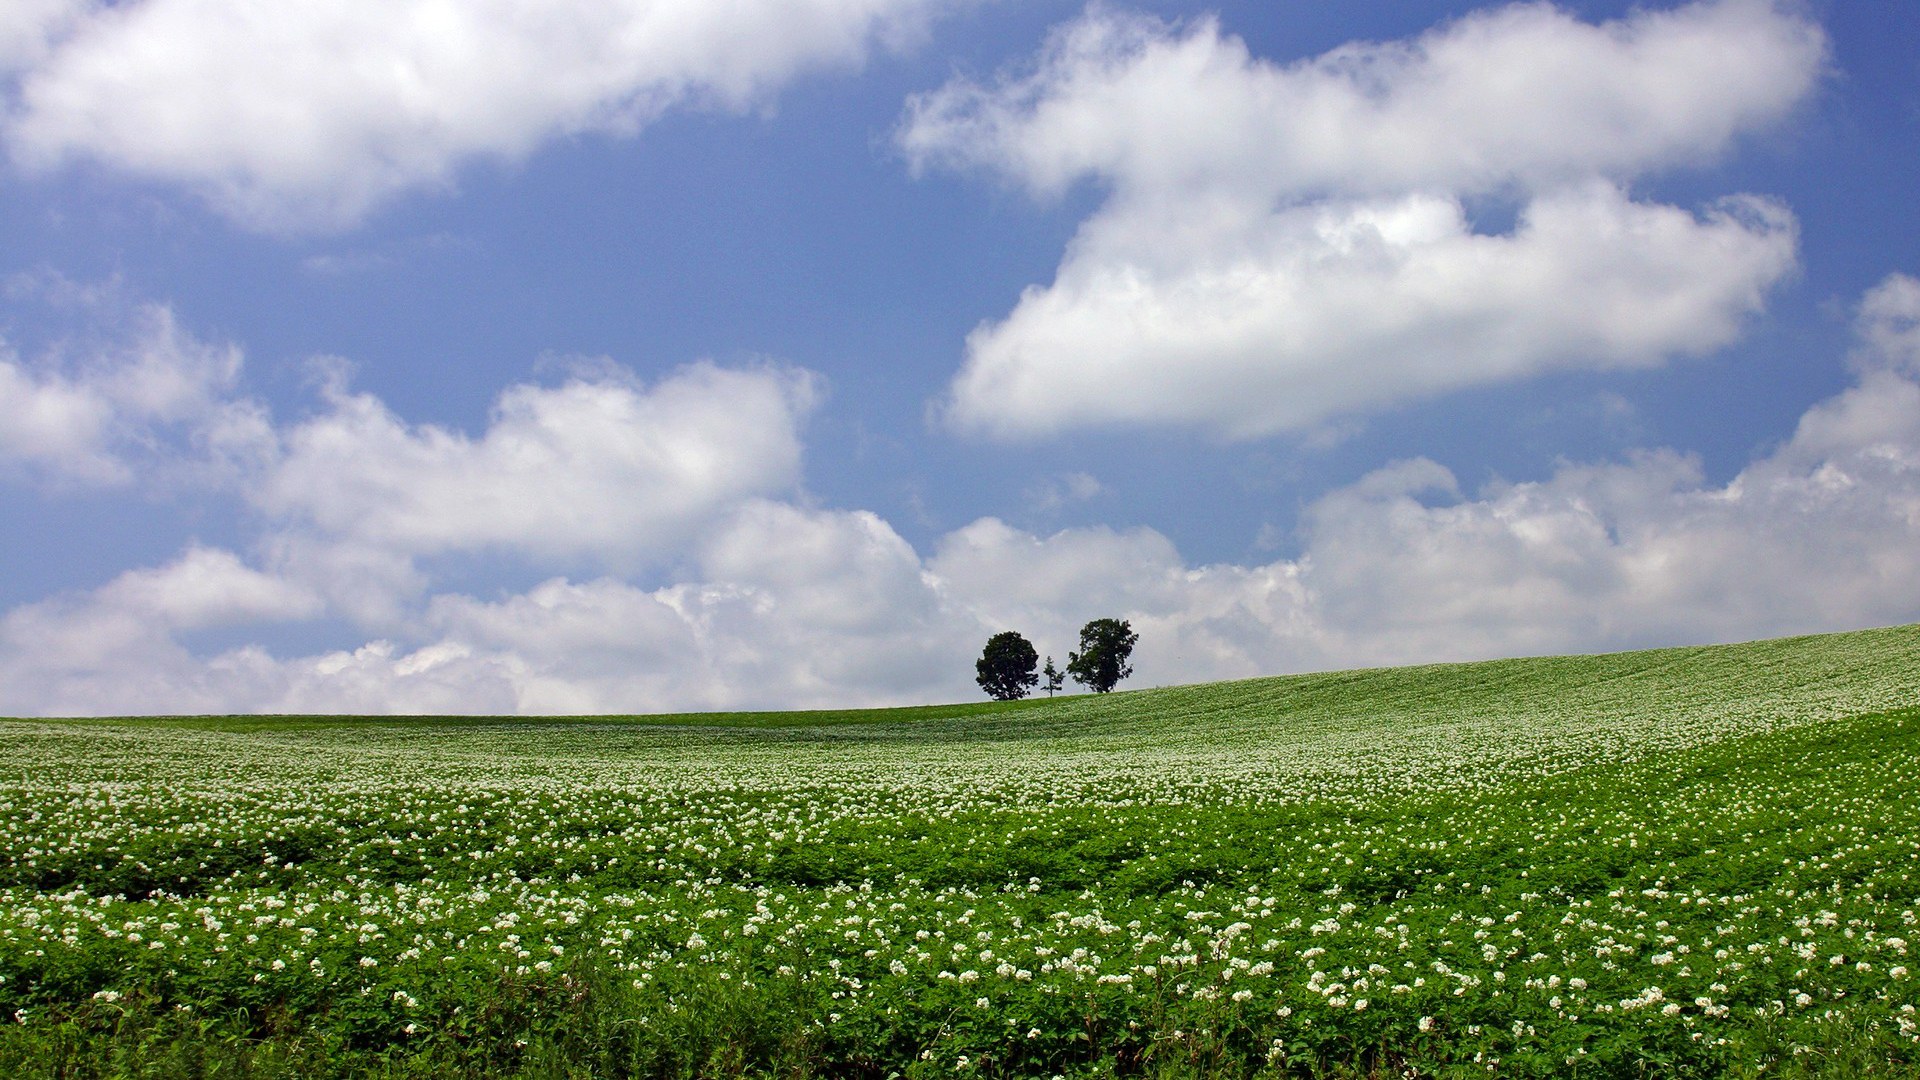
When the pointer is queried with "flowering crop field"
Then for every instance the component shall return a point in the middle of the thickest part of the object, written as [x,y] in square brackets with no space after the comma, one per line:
[1685,862]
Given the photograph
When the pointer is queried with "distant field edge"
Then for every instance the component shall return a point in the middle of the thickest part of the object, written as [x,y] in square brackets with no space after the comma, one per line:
[1503,668]
[749,719]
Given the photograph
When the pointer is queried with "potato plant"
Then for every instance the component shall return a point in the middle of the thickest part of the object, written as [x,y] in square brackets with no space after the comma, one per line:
[1697,862]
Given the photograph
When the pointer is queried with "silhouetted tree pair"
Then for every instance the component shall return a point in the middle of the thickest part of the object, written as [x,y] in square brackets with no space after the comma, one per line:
[1006,666]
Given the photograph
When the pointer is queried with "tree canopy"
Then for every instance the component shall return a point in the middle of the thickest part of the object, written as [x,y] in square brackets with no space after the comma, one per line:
[1006,666]
[1106,645]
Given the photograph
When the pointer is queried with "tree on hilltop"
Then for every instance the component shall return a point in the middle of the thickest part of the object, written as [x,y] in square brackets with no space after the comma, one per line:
[1005,669]
[1054,676]
[1106,645]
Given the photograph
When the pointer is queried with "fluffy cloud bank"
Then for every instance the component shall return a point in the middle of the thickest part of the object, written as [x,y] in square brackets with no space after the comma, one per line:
[598,467]
[601,468]
[1281,245]
[307,113]
[777,604]
[151,399]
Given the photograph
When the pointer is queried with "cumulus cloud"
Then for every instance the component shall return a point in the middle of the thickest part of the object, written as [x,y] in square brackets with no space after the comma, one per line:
[28,29]
[1283,320]
[1403,566]
[1523,94]
[780,605]
[1015,578]
[1815,535]
[206,587]
[1284,244]
[118,648]
[307,113]
[1889,326]
[149,400]
[791,608]
[601,466]
[1611,556]
[1054,492]
[352,502]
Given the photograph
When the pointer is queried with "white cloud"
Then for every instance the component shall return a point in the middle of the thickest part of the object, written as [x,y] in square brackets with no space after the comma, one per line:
[380,678]
[206,587]
[1889,325]
[28,28]
[792,608]
[1054,492]
[373,587]
[1522,95]
[1016,579]
[1195,623]
[778,605]
[1816,535]
[1403,567]
[1284,245]
[307,113]
[601,468]
[1279,321]
[117,648]
[52,424]
[150,401]
[598,467]
[1614,556]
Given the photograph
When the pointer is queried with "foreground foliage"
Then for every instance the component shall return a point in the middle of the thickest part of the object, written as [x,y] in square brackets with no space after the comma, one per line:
[1695,862]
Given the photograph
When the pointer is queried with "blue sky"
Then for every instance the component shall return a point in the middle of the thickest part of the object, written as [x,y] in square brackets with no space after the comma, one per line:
[634,357]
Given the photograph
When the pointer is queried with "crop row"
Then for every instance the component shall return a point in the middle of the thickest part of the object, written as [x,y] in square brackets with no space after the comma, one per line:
[1212,888]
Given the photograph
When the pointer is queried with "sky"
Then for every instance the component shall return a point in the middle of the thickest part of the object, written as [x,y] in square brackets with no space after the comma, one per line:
[523,356]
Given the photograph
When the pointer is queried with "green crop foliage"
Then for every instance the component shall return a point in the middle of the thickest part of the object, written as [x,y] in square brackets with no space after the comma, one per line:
[1687,862]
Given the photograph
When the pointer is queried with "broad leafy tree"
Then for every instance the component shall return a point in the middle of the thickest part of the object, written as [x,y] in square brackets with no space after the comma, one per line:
[1005,668]
[1106,645]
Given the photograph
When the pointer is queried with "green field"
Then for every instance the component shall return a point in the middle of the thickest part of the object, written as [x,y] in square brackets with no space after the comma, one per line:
[1685,862]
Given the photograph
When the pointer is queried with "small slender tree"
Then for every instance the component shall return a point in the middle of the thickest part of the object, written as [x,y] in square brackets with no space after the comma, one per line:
[1054,677]
[1005,668]
[1106,645]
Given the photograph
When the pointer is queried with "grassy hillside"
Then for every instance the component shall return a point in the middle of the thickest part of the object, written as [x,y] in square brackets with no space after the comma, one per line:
[1792,672]
[1679,862]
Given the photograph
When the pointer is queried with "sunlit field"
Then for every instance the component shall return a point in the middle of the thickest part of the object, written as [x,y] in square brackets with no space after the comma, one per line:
[1689,862]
